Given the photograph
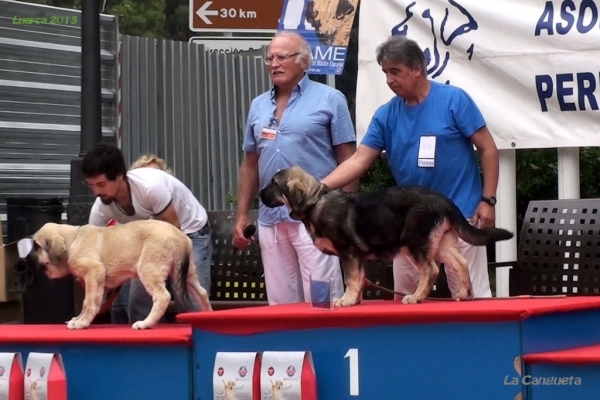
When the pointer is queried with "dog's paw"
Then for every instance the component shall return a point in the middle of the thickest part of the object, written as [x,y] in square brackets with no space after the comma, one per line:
[77,324]
[141,325]
[346,301]
[464,294]
[410,299]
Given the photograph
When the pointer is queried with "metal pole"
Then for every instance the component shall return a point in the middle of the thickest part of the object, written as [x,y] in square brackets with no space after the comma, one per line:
[91,102]
[80,198]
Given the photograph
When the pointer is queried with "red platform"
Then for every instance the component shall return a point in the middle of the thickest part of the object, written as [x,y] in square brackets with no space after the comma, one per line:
[264,319]
[579,355]
[179,334]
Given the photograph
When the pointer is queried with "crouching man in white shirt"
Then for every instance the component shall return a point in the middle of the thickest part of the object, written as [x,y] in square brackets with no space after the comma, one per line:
[145,193]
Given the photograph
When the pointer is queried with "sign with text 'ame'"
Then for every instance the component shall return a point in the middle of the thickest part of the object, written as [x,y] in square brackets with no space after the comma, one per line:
[235,15]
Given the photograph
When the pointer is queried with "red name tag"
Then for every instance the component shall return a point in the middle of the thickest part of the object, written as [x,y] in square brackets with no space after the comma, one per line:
[268,133]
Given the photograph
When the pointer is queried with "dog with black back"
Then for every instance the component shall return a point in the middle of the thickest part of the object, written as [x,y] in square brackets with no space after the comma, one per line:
[420,222]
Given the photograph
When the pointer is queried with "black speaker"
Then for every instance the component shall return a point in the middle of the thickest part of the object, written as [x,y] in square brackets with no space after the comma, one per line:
[24,216]
[45,301]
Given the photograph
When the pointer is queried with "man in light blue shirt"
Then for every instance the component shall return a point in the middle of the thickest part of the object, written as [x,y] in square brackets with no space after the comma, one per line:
[297,123]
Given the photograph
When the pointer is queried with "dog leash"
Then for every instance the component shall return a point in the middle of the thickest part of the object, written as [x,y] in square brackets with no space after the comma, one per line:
[110,300]
[367,282]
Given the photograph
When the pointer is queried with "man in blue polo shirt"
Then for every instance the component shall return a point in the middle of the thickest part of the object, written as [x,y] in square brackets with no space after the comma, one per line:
[297,123]
[428,131]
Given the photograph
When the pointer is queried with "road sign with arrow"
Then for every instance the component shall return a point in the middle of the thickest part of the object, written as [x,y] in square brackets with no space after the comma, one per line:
[235,15]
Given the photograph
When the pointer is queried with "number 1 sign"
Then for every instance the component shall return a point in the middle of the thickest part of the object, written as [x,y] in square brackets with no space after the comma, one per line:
[352,356]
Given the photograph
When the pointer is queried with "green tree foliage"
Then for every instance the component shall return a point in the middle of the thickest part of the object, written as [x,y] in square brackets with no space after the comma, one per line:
[139,18]
[537,175]
[377,177]
[589,174]
[177,20]
[75,4]
[166,19]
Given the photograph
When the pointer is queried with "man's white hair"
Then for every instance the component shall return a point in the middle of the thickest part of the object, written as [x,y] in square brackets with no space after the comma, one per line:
[304,52]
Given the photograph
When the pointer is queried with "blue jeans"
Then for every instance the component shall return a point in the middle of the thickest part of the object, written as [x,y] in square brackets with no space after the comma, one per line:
[140,302]
[119,312]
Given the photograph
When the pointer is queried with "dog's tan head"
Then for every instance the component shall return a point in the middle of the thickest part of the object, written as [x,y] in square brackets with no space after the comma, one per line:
[49,251]
[294,188]
[229,385]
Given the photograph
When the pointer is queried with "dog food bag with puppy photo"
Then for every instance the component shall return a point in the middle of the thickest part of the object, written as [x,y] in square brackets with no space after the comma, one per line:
[11,376]
[45,377]
[288,375]
[236,376]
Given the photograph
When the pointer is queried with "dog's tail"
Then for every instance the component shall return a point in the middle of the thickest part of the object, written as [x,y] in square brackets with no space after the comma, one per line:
[473,235]
[181,280]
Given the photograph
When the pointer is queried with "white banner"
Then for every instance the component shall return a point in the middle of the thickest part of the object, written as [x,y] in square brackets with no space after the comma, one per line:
[532,66]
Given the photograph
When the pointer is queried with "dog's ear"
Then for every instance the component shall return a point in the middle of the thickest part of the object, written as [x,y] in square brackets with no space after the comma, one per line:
[303,193]
[56,249]
[297,196]
[295,189]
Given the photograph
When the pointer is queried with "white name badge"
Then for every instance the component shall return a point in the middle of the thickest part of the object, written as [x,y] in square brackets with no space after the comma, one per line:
[268,133]
[426,158]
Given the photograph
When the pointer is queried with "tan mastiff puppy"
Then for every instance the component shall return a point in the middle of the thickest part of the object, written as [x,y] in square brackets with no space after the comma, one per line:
[105,257]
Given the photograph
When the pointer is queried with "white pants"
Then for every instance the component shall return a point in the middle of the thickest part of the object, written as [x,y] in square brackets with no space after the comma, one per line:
[406,275]
[289,259]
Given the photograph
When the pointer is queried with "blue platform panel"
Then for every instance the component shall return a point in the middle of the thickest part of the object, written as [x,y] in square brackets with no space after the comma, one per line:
[561,330]
[116,363]
[429,361]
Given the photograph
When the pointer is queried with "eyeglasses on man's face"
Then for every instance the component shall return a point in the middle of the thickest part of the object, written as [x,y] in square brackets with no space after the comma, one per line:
[279,59]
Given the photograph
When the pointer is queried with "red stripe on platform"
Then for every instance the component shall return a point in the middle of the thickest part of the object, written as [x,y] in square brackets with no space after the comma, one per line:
[578,355]
[379,313]
[176,334]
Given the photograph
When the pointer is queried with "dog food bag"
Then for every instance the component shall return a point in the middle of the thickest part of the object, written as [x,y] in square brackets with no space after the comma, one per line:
[11,376]
[288,375]
[236,376]
[45,377]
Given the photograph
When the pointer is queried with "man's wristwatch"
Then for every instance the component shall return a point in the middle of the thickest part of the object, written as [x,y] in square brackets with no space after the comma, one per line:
[490,200]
